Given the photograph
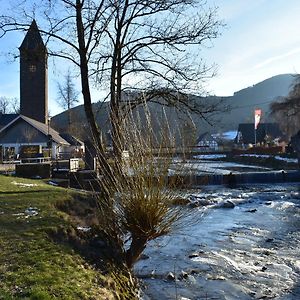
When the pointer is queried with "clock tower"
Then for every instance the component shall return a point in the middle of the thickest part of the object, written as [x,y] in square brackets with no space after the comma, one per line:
[34,76]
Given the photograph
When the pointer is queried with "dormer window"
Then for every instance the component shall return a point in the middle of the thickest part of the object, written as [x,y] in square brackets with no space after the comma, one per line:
[32,68]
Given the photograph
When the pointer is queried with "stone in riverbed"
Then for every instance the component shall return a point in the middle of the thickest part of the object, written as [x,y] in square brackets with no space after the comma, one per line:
[193,255]
[194,271]
[200,202]
[170,276]
[216,277]
[227,204]
[183,275]
[144,256]
[194,204]
[196,254]
[181,201]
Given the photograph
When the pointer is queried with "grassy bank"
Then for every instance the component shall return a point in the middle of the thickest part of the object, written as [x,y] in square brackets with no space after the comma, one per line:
[32,264]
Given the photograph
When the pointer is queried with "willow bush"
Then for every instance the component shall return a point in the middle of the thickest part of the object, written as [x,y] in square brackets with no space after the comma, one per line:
[137,204]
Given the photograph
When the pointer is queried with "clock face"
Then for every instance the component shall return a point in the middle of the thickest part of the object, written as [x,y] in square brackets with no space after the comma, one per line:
[32,68]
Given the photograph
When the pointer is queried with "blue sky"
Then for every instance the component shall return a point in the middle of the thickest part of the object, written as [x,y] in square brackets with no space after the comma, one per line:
[261,39]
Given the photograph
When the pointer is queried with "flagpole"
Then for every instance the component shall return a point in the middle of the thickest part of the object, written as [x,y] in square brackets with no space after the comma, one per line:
[257,116]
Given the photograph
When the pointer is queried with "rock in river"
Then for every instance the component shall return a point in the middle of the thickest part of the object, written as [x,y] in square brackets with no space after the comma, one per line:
[227,204]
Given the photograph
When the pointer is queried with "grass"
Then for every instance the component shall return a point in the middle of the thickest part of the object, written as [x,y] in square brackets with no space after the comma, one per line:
[32,265]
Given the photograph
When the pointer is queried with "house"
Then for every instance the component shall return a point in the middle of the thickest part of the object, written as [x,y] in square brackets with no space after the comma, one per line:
[24,137]
[207,142]
[76,147]
[266,133]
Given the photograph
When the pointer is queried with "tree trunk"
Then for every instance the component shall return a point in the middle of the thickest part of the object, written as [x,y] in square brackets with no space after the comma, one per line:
[137,247]
[105,167]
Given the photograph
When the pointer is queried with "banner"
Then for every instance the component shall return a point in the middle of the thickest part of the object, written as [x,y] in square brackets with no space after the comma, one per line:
[257,116]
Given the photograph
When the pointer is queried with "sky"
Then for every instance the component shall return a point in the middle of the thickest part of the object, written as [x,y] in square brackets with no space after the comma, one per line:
[260,40]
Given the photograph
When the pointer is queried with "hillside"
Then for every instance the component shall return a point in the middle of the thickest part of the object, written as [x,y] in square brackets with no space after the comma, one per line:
[259,95]
[242,105]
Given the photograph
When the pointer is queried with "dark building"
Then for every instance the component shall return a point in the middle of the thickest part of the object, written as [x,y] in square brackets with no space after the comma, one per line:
[34,76]
[264,133]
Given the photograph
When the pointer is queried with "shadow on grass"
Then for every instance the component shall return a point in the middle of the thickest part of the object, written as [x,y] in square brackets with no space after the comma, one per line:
[105,259]
[90,244]
[23,192]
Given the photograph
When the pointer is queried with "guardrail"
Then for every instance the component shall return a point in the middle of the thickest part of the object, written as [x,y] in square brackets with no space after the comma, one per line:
[27,160]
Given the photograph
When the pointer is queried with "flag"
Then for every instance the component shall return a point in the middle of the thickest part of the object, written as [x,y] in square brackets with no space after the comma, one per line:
[257,116]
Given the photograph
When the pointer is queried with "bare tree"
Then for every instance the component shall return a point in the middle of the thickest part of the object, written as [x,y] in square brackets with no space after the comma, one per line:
[15,105]
[67,94]
[4,105]
[152,47]
[286,110]
[9,105]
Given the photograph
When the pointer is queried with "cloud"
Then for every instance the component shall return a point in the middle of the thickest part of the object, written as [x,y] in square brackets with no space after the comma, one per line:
[276,58]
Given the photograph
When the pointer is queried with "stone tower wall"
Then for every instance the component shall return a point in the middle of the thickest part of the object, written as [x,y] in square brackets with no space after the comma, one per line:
[34,76]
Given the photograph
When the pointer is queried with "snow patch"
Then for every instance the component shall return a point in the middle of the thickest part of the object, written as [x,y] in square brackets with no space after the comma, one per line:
[21,184]
[210,156]
[84,228]
[288,160]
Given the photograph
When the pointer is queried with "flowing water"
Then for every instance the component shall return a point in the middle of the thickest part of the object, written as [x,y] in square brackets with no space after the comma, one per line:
[250,251]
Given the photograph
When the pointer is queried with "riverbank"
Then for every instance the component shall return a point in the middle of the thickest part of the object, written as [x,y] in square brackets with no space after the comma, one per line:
[274,162]
[39,258]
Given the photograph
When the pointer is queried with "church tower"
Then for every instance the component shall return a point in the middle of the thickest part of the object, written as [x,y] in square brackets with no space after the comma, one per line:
[34,76]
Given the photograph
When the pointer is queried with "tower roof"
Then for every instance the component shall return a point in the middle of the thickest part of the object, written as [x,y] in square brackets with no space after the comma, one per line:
[33,39]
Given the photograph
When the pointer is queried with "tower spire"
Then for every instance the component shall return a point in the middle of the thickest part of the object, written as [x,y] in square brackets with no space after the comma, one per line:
[33,39]
[34,75]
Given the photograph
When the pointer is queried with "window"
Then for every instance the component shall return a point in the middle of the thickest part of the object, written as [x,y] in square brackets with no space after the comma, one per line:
[9,153]
[32,68]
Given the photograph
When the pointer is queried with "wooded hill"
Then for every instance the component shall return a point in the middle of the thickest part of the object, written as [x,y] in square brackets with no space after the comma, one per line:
[242,105]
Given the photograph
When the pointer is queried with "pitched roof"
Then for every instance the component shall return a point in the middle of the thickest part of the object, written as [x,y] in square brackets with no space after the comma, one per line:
[72,140]
[33,39]
[205,137]
[201,137]
[246,130]
[6,118]
[44,128]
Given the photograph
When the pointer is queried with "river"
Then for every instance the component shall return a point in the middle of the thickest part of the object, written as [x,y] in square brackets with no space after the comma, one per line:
[250,251]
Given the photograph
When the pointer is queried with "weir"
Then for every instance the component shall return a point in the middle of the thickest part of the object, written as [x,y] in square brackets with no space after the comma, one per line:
[233,179]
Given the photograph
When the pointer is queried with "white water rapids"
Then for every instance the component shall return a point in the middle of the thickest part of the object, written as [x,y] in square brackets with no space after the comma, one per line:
[248,252]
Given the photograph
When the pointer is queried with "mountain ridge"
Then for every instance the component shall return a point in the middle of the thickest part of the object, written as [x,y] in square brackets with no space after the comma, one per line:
[242,103]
